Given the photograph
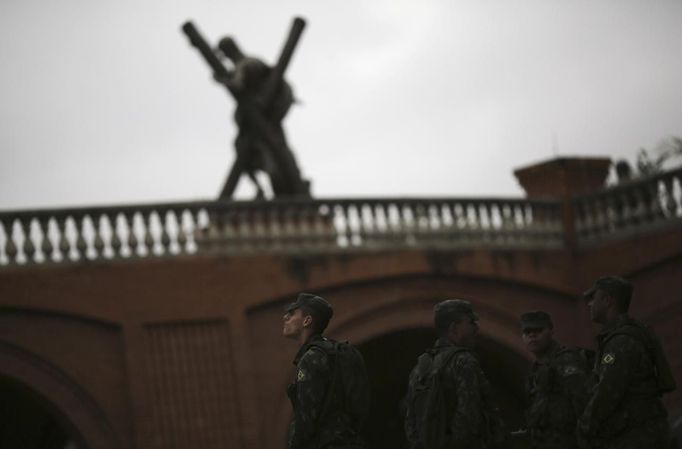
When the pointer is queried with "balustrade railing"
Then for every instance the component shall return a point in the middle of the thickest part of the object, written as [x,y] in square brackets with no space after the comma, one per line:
[291,226]
[72,235]
[380,224]
[634,206]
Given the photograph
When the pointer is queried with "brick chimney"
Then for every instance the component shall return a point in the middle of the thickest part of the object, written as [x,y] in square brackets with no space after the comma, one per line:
[564,176]
[561,179]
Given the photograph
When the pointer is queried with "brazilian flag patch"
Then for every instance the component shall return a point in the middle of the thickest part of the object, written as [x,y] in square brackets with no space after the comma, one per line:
[608,359]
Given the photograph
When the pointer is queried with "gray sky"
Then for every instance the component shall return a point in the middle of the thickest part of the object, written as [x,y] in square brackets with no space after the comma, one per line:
[106,102]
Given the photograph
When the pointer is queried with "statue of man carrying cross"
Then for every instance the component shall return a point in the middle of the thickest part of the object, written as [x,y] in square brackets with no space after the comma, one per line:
[263,100]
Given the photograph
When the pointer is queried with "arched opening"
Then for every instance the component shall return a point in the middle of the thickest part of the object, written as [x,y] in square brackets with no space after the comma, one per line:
[391,357]
[28,421]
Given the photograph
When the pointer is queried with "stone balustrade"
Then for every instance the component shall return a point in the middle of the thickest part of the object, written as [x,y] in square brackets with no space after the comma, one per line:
[372,224]
[99,233]
[333,225]
[636,206]
[291,226]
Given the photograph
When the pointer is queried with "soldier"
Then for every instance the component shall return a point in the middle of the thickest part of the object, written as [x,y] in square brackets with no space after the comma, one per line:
[330,393]
[631,373]
[249,81]
[449,402]
[556,387]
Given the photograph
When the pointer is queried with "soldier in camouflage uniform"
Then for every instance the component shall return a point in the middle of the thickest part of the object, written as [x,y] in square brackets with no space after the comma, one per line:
[319,421]
[631,372]
[556,386]
[472,417]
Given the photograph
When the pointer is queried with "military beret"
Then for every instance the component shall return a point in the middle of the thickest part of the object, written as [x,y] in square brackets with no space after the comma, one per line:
[536,319]
[613,285]
[449,310]
[316,305]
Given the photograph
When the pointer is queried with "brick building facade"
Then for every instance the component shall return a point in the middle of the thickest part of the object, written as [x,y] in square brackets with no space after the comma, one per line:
[159,326]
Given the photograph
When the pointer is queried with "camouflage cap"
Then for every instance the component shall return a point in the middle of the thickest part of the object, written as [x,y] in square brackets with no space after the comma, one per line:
[536,319]
[317,305]
[613,285]
[449,310]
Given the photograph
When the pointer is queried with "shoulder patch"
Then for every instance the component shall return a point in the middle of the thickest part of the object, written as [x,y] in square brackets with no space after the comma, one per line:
[569,370]
[300,375]
[608,358]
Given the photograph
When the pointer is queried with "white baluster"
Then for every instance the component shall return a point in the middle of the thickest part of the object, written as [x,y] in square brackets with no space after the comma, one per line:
[46,246]
[148,237]
[29,248]
[10,246]
[81,243]
[132,241]
[182,231]
[116,243]
[62,241]
[165,236]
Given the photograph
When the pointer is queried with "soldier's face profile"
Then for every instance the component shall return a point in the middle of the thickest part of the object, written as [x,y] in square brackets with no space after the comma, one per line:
[598,305]
[293,323]
[466,331]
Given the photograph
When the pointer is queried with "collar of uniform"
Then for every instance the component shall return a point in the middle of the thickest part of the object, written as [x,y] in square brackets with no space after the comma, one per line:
[443,343]
[549,355]
[612,326]
[313,338]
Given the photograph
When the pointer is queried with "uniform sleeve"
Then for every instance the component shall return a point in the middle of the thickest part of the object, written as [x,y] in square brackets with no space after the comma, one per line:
[410,419]
[574,375]
[613,373]
[312,381]
[467,421]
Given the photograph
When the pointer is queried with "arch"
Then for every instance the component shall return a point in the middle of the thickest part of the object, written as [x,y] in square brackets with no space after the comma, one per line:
[476,282]
[389,377]
[415,311]
[74,408]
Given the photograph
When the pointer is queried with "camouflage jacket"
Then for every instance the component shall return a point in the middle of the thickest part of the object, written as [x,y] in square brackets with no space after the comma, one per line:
[318,420]
[624,399]
[474,418]
[557,391]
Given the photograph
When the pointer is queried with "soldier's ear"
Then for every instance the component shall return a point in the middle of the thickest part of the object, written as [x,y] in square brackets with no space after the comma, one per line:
[610,300]
[307,321]
[452,328]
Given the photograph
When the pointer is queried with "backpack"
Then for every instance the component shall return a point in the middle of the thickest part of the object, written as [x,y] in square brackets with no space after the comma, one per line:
[665,381]
[545,385]
[427,412]
[589,355]
[349,387]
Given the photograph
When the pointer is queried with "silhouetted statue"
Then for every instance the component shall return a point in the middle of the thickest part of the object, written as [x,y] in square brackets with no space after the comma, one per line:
[249,80]
[263,100]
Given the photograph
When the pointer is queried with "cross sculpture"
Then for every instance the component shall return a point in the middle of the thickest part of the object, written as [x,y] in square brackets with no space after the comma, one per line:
[263,98]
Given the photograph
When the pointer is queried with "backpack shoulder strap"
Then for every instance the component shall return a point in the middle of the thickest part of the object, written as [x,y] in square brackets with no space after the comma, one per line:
[586,354]
[646,336]
[632,329]
[326,345]
[440,363]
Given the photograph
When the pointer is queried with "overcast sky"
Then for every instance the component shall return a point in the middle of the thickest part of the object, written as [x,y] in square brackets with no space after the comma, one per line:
[106,102]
